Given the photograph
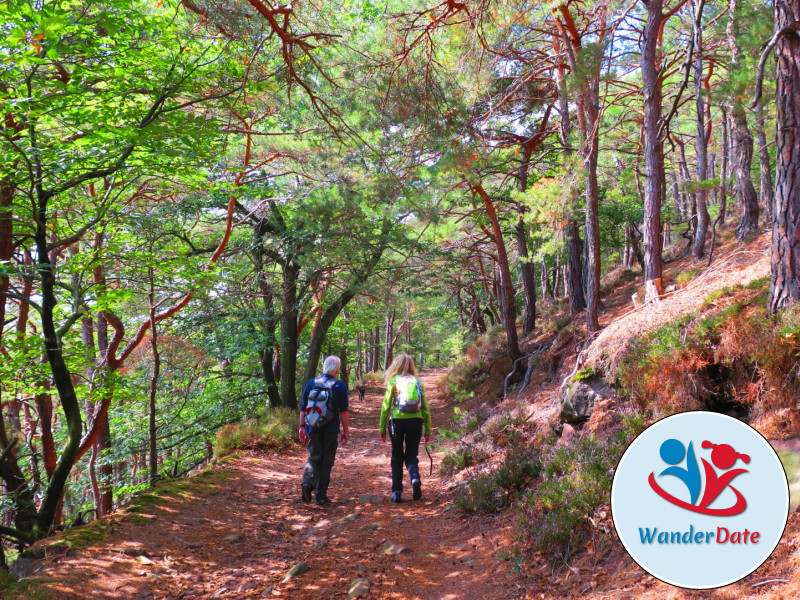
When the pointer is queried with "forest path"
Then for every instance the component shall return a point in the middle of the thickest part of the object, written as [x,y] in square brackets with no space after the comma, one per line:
[237,534]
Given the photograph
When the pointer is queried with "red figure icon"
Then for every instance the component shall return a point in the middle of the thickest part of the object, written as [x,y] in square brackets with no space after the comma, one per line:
[724,457]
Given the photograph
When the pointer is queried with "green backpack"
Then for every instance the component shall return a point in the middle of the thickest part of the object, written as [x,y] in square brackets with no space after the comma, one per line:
[409,394]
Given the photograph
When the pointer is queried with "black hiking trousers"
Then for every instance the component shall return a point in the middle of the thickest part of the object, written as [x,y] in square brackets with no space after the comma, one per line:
[322,446]
[406,435]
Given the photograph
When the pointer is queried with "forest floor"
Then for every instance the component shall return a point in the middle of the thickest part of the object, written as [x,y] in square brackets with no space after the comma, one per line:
[237,530]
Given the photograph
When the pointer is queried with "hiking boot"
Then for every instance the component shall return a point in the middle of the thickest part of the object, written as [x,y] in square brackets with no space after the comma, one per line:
[324,501]
[306,492]
[416,487]
[396,497]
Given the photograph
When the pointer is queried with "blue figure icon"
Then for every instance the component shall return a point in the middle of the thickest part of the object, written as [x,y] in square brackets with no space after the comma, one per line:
[672,452]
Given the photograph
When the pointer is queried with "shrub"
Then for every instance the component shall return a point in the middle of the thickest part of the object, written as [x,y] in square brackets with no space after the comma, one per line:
[494,490]
[458,460]
[735,356]
[472,367]
[683,278]
[275,428]
[576,479]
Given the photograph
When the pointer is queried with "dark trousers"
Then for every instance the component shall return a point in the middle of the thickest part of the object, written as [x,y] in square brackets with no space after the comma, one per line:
[406,435]
[322,447]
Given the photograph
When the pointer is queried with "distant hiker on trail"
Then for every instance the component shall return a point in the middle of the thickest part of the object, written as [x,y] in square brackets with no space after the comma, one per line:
[323,406]
[405,407]
[362,389]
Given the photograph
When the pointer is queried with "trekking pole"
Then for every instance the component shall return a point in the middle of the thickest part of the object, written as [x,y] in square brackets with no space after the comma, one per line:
[430,457]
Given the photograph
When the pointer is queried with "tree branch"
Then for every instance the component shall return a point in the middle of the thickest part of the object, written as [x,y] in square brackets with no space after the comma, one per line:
[788,30]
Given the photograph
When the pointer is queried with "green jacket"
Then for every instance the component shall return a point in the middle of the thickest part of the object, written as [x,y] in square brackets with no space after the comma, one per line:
[389,403]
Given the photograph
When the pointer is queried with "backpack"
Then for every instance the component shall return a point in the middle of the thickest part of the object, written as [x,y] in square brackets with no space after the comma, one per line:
[409,394]
[320,407]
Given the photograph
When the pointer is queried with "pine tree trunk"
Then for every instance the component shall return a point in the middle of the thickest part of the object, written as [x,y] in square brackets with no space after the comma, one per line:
[742,143]
[289,334]
[703,218]
[723,176]
[526,268]
[653,151]
[505,296]
[526,272]
[767,195]
[785,285]
[745,191]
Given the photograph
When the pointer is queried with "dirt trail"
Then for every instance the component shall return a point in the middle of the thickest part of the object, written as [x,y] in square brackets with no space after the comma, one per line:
[238,538]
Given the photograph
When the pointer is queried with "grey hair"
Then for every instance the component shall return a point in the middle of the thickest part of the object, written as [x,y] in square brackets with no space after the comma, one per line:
[332,363]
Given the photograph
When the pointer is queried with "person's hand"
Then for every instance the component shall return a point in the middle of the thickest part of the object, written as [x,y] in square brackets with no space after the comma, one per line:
[383,437]
[345,437]
[427,438]
[303,435]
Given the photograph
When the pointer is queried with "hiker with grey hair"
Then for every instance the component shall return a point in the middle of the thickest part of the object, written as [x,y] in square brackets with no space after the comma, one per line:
[323,414]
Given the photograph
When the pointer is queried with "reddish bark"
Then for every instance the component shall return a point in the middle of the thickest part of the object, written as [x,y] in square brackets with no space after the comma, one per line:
[785,285]
[506,296]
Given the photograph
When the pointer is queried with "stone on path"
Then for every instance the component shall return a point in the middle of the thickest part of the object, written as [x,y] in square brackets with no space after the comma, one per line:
[296,570]
[235,538]
[392,549]
[370,499]
[360,587]
[348,519]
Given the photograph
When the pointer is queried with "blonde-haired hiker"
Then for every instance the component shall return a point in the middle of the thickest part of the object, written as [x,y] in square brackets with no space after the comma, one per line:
[405,410]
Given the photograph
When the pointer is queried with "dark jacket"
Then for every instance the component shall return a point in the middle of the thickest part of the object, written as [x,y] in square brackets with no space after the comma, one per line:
[340,400]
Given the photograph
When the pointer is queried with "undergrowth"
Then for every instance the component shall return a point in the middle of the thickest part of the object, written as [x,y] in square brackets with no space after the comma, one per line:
[492,491]
[731,355]
[554,488]
[474,367]
[275,428]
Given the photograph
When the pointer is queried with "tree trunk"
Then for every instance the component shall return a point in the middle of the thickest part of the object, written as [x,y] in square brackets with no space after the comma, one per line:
[785,284]
[574,281]
[526,272]
[506,291]
[267,352]
[61,375]
[703,218]
[723,176]
[745,191]
[289,334]
[376,348]
[592,223]
[556,279]
[360,276]
[16,485]
[573,285]
[388,341]
[152,431]
[742,142]
[767,191]
[15,482]
[526,267]
[653,151]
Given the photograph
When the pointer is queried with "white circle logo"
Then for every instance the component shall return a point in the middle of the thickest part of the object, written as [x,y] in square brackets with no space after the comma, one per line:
[699,500]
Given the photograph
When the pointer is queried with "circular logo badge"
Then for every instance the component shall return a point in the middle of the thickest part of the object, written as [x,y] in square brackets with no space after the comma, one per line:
[700,500]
